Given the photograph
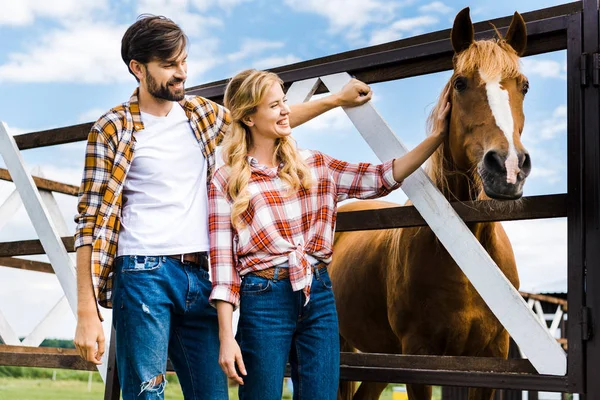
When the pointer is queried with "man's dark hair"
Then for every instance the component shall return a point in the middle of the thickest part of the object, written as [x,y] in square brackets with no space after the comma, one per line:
[150,38]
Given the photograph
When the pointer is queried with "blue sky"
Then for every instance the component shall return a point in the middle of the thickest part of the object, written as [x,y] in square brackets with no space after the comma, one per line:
[60,65]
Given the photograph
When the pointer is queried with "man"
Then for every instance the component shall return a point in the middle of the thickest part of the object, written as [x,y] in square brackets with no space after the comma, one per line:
[142,235]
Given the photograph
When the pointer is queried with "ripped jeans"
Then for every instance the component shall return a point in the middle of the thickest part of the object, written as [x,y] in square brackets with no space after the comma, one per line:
[160,308]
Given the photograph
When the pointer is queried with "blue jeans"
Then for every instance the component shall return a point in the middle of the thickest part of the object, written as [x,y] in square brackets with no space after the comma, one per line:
[275,326]
[160,307]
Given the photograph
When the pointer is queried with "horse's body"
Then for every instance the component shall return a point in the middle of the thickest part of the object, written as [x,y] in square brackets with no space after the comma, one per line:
[398,290]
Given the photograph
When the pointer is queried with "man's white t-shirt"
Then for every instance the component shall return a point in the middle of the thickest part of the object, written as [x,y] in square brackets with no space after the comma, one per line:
[165,204]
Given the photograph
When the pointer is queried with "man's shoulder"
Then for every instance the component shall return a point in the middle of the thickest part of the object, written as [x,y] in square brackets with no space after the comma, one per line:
[113,120]
[202,105]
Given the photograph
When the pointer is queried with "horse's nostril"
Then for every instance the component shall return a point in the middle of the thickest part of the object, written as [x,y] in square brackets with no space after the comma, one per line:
[493,162]
[525,163]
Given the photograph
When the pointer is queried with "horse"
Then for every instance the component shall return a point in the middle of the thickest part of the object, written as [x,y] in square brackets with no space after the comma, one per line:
[398,290]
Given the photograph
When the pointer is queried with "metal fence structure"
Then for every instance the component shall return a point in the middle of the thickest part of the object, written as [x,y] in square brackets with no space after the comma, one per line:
[573,27]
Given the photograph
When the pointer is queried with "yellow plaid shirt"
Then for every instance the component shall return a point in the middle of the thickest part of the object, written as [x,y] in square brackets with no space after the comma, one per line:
[109,152]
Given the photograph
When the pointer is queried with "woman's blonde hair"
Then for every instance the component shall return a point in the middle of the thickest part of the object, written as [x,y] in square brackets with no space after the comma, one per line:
[243,95]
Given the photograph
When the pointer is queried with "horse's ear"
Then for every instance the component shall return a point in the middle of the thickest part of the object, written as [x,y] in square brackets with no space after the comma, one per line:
[517,34]
[462,31]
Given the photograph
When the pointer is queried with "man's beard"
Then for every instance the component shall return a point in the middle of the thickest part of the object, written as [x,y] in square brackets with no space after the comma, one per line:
[163,91]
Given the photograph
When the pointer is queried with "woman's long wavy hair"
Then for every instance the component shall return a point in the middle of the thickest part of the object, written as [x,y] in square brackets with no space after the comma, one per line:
[243,95]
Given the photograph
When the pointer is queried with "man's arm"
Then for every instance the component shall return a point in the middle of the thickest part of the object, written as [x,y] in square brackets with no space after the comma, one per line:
[354,93]
[89,335]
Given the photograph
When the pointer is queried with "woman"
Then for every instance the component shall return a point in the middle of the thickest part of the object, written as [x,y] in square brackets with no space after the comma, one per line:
[272,212]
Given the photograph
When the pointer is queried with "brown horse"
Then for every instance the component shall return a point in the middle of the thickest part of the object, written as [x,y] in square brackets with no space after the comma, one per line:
[398,290]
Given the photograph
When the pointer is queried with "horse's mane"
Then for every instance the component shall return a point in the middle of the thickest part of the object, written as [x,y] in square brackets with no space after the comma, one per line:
[493,58]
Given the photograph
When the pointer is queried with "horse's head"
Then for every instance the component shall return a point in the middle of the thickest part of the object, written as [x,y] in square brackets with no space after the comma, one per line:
[486,121]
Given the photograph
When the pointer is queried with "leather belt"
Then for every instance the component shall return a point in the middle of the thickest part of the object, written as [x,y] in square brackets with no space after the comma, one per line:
[199,259]
[284,273]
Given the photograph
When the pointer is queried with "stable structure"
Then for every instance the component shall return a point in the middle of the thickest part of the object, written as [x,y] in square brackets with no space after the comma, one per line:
[573,27]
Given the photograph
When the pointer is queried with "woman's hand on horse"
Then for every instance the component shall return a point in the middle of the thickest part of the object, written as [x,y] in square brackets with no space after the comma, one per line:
[230,355]
[354,93]
[442,120]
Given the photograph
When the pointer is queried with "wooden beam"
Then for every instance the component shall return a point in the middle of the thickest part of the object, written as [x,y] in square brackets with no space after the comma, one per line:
[45,357]
[45,184]
[547,299]
[31,247]
[28,265]
[534,207]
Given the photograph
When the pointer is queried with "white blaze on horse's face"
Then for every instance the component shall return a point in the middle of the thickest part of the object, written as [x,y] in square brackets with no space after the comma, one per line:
[499,102]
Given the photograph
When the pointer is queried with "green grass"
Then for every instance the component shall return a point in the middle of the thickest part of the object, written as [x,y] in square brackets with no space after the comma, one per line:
[73,385]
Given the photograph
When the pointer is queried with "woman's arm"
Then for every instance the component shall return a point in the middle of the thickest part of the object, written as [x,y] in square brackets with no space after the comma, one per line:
[230,354]
[354,93]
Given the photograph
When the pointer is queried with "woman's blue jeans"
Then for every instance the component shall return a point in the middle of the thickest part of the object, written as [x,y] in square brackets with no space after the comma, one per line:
[160,308]
[275,326]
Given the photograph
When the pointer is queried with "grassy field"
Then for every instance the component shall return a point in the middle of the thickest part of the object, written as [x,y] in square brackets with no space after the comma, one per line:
[69,389]
[44,389]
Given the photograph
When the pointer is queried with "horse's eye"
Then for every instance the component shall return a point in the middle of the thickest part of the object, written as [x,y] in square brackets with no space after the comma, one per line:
[460,83]
[525,88]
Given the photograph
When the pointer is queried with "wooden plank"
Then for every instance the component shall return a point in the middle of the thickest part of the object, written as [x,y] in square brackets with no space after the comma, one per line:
[28,265]
[45,184]
[545,29]
[489,281]
[45,357]
[547,206]
[470,364]
[534,207]
[112,390]
[547,299]
[302,91]
[64,267]
[548,383]
[31,247]
[52,137]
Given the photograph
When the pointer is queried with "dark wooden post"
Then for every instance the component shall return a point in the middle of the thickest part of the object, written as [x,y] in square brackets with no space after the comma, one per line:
[591,196]
[112,390]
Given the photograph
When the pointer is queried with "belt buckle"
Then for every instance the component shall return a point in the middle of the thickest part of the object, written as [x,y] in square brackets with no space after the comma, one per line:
[181,258]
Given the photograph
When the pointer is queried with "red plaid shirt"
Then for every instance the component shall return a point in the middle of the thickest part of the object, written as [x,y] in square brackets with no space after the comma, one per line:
[281,229]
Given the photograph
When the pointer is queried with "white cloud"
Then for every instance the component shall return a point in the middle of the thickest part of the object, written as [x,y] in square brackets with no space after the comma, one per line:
[544,68]
[250,47]
[25,12]
[276,61]
[540,248]
[13,131]
[90,115]
[227,5]
[80,53]
[347,15]
[436,6]
[397,30]
[180,11]
[547,128]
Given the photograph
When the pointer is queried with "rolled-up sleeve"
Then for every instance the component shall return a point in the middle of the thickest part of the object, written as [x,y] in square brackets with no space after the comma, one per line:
[362,180]
[225,277]
[99,158]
